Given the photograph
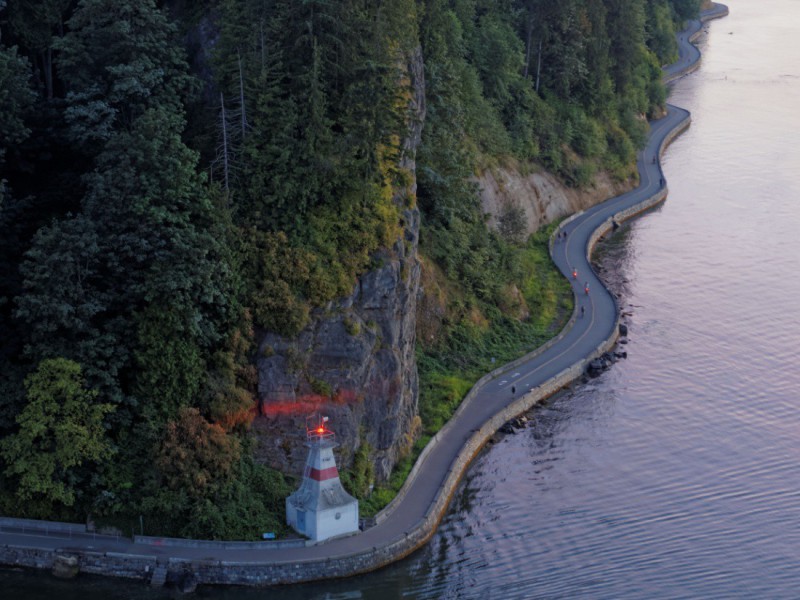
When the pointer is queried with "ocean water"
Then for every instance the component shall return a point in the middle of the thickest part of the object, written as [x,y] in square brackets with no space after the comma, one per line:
[676,473]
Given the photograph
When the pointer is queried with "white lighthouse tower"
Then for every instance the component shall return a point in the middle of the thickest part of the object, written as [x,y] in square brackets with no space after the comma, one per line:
[321,508]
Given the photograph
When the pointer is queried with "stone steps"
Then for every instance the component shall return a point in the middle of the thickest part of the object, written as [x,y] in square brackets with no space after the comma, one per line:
[159,577]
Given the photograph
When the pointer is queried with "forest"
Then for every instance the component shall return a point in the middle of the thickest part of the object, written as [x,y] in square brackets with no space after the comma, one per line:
[176,177]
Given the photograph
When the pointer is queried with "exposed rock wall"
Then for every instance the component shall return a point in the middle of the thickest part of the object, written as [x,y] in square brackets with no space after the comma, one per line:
[541,197]
[355,361]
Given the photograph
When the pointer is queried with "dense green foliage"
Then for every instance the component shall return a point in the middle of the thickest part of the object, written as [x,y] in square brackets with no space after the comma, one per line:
[471,347]
[60,428]
[154,215]
[137,286]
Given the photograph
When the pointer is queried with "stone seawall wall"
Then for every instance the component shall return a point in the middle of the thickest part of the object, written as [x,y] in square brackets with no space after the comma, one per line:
[109,564]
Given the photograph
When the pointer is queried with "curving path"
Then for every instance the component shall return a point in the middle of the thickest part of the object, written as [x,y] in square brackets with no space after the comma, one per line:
[412,518]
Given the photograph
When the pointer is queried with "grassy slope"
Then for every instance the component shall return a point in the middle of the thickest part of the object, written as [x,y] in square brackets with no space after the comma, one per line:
[482,339]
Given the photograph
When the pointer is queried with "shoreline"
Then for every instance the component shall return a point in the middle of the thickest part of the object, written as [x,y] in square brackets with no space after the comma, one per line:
[482,412]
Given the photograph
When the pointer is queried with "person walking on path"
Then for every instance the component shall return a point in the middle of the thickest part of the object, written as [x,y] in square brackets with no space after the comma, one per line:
[513,390]
[583,311]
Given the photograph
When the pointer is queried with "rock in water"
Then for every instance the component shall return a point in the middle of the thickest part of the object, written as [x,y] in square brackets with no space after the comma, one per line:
[188,583]
[65,567]
[623,329]
[508,428]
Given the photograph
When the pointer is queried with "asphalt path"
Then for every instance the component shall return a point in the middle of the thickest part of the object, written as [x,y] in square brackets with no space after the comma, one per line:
[688,54]
[590,330]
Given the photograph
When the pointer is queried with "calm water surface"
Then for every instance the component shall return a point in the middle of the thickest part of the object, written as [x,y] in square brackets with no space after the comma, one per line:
[676,474]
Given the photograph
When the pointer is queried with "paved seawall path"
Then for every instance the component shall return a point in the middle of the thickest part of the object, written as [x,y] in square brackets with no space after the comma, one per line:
[409,521]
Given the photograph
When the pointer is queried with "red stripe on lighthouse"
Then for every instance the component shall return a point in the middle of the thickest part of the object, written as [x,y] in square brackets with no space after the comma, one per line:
[324,474]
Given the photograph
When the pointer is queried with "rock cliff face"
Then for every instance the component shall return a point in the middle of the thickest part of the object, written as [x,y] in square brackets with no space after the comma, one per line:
[355,361]
[539,198]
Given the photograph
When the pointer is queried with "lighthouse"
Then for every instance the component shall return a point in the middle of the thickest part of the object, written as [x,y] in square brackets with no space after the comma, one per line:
[321,508]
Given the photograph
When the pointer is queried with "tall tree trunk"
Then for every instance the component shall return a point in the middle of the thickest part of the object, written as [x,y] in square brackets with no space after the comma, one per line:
[241,94]
[539,67]
[47,68]
[528,48]
[263,45]
[224,141]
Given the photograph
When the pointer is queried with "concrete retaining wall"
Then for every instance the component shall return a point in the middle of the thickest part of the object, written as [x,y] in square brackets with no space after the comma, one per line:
[128,566]
[184,543]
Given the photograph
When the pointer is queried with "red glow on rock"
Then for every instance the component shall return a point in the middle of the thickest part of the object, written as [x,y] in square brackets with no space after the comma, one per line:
[305,404]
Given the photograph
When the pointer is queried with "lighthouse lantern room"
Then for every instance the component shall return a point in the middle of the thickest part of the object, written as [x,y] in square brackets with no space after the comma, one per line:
[321,508]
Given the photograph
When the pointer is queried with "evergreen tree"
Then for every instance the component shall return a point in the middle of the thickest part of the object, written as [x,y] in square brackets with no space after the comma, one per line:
[16,98]
[660,32]
[685,9]
[625,28]
[37,24]
[119,58]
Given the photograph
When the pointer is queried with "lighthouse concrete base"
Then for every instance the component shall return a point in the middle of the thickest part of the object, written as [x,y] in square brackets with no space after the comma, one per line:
[321,525]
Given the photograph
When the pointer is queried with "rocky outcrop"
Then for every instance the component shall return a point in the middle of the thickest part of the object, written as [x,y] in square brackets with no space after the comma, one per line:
[65,567]
[538,198]
[355,361]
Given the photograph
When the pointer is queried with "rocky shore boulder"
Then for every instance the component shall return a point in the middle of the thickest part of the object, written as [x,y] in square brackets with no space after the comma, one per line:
[65,567]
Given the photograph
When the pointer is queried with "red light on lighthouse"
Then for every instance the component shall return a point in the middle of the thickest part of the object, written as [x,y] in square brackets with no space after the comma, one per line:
[316,430]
